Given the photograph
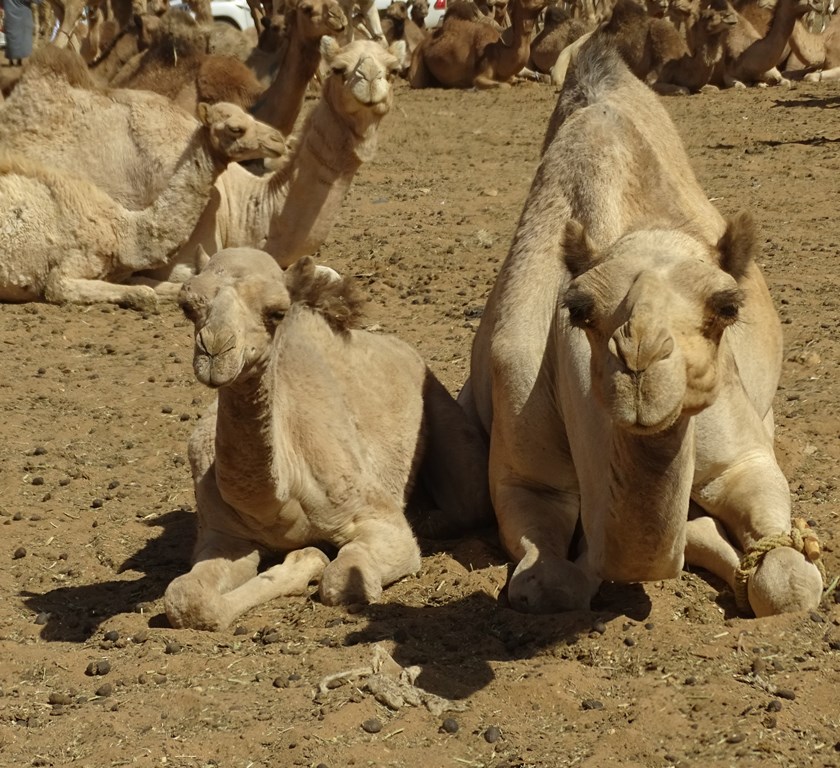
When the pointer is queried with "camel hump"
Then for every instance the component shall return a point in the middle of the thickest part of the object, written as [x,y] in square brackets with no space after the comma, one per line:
[462,9]
[61,62]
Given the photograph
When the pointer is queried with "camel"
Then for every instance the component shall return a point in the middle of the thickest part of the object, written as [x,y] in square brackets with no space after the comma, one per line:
[751,58]
[694,71]
[810,50]
[559,30]
[464,53]
[316,439]
[128,143]
[307,22]
[178,66]
[289,213]
[625,367]
[418,12]
[397,24]
[63,239]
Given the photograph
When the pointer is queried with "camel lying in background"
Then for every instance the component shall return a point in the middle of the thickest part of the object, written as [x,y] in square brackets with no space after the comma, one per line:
[625,368]
[62,239]
[290,212]
[317,437]
[128,143]
[306,23]
[466,53]
[177,65]
[816,51]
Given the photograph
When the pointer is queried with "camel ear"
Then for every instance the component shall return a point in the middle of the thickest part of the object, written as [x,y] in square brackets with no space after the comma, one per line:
[203,110]
[202,258]
[738,246]
[578,250]
[336,299]
[329,49]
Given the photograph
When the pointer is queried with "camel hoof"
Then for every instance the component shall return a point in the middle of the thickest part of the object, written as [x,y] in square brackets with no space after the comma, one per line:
[189,606]
[548,586]
[344,583]
[784,582]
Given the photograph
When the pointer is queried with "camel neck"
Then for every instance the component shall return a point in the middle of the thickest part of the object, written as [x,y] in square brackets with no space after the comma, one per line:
[281,103]
[649,482]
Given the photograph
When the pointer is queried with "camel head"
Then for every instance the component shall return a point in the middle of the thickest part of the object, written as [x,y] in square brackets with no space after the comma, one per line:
[238,304]
[272,33]
[718,17]
[397,10]
[419,11]
[361,74]
[316,18]
[236,135]
[654,307]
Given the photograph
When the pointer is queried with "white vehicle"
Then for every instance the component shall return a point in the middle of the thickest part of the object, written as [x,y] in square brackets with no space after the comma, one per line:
[233,12]
[433,18]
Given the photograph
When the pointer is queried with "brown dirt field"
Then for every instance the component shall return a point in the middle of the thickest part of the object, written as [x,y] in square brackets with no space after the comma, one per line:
[96,500]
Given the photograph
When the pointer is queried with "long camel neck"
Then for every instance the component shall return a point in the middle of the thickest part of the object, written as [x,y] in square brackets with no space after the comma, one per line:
[515,43]
[331,149]
[281,103]
[772,46]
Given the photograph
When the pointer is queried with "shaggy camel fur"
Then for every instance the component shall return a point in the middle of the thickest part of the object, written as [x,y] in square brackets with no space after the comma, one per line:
[306,22]
[128,143]
[317,437]
[625,367]
[62,239]
[559,30]
[290,212]
[694,71]
[464,53]
[751,58]
[178,66]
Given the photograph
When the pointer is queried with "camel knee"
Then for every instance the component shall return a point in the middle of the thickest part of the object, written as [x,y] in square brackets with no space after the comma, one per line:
[550,585]
[785,581]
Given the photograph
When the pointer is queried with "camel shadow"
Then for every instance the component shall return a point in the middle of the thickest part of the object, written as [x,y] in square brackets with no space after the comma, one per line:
[75,613]
[830,102]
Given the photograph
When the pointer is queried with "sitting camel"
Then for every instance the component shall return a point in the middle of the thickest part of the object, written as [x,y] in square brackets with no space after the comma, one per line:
[291,211]
[625,368]
[62,239]
[810,50]
[128,143]
[316,439]
[465,53]
[559,30]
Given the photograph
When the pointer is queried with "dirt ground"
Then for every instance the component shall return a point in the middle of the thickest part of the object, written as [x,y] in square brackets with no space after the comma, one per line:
[96,506]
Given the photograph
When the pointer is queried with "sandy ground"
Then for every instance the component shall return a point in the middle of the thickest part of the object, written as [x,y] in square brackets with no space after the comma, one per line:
[96,506]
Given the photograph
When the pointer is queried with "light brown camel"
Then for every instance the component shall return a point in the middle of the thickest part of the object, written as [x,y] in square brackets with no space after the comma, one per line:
[625,368]
[418,12]
[559,30]
[128,143]
[290,212]
[177,65]
[307,21]
[694,72]
[464,53]
[318,434]
[751,58]
[816,51]
[62,239]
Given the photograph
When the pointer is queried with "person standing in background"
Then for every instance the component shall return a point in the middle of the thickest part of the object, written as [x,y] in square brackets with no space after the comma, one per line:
[19,26]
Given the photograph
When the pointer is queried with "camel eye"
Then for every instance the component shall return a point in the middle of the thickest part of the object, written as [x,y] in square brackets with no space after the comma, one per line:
[189,310]
[274,316]
[581,309]
[726,305]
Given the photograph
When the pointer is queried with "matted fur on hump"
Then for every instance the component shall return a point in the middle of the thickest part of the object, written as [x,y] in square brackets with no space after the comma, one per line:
[61,62]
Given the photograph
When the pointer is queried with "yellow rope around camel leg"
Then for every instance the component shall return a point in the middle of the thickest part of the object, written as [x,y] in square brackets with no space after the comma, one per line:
[801,538]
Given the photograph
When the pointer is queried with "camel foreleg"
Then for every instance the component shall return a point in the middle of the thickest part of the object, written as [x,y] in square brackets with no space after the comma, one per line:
[61,288]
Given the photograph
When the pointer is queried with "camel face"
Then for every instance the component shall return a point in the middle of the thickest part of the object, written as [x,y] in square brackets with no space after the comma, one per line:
[362,72]
[653,309]
[237,135]
[321,17]
[236,304]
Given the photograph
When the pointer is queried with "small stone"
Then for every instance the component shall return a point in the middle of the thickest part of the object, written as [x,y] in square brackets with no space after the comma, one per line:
[60,699]
[629,642]
[140,637]
[758,666]
[591,704]
[166,409]
[817,617]
[111,636]
[735,738]
[39,451]
[372,726]
[42,618]
[785,693]
[649,626]
[449,725]
[834,645]
[113,484]
[690,680]
[774,706]
[19,553]
[38,480]
[64,482]
[172,647]
[96,503]
[599,627]
[492,734]
[105,690]
[240,630]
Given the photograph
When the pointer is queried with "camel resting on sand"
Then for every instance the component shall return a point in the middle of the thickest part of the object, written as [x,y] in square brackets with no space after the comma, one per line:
[317,437]
[290,212]
[467,53]
[62,239]
[625,369]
